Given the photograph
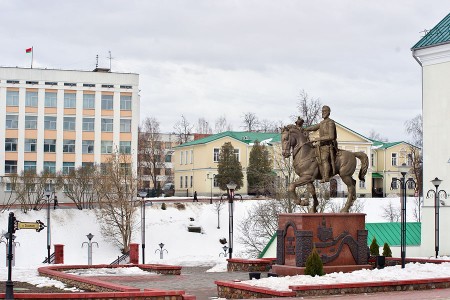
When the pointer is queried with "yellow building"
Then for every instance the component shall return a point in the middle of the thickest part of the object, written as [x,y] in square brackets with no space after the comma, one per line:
[195,162]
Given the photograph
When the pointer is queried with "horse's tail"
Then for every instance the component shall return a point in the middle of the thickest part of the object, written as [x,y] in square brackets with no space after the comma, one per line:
[364,164]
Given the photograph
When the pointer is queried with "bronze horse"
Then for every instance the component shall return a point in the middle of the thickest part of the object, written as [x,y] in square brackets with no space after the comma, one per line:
[294,140]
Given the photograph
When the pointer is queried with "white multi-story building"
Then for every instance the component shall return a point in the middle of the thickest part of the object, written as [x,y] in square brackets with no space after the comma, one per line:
[57,120]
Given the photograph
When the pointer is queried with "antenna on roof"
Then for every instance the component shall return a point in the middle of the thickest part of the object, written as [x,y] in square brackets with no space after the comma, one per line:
[425,31]
[110,58]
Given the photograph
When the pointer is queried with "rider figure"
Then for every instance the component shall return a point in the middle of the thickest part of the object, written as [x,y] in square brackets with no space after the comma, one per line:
[299,122]
[327,143]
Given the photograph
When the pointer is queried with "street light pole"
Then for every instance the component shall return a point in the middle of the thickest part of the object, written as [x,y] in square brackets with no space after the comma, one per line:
[436,182]
[231,187]
[403,182]
[142,194]
[211,177]
[47,194]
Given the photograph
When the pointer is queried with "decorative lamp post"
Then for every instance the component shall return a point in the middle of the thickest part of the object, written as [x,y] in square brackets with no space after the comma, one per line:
[90,243]
[403,169]
[142,194]
[225,249]
[231,187]
[48,194]
[437,194]
[161,250]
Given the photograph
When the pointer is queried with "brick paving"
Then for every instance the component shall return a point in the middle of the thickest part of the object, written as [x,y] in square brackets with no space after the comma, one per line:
[194,280]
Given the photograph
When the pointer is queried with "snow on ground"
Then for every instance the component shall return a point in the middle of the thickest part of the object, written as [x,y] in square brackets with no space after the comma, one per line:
[70,227]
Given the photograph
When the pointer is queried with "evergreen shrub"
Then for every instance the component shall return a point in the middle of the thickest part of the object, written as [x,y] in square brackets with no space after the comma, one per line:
[374,248]
[314,265]
[387,250]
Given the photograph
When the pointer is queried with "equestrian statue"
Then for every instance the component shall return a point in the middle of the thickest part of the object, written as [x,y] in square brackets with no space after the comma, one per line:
[320,159]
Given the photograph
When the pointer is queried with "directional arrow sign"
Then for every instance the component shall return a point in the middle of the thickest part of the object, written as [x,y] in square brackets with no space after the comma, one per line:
[38,225]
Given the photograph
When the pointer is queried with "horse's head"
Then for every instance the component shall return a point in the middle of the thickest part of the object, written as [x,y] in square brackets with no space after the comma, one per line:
[286,143]
[291,135]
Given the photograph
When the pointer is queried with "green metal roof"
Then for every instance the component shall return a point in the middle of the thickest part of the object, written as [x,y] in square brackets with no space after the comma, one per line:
[243,136]
[385,145]
[390,233]
[274,236]
[440,34]
[376,175]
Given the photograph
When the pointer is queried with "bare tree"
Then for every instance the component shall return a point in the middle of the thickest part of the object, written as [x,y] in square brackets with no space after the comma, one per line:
[417,214]
[203,126]
[183,129]
[357,207]
[222,125]
[414,128]
[373,135]
[217,207]
[267,126]
[116,190]
[391,213]
[28,189]
[250,121]
[78,186]
[150,155]
[309,108]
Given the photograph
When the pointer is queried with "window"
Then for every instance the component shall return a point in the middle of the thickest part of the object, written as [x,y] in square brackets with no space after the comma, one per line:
[168,158]
[125,102]
[362,184]
[410,185]
[125,125]
[12,121]
[192,180]
[50,123]
[186,153]
[11,166]
[409,159]
[394,183]
[12,98]
[216,154]
[29,166]
[371,158]
[181,157]
[50,99]
[181,181]
[236,154]
[68,167]
[69,123]
[125,147]
[30,145]
[31,99]
[107,102]
[192,156]
[69,146]
[87,147]
[394,159]
[87,165]
[185,181]
[70,100]
[216,183]
[49,145]
[88,101]
[126,168]
[168,145]
[107,147]
[10,187]
[10,144]
[107,125]
[88,124]
[50,167]
[30,122]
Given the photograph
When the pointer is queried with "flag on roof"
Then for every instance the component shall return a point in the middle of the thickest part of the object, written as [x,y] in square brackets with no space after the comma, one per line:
[29,50]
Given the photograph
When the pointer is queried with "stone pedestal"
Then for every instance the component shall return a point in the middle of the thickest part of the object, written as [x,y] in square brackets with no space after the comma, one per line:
[340,239]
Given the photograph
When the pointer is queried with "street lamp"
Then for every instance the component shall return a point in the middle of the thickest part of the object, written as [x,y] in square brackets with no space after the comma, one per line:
[225,249]
[48,194]
[403,182]
[90,243]
[211,177]
[436,182]
[231,187]
[161,250]
[142,194]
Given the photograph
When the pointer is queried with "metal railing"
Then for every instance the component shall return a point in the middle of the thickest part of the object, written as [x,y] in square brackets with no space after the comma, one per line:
[121,260]
[52,259]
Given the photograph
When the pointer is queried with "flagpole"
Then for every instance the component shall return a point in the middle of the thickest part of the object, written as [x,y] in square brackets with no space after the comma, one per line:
[32,53]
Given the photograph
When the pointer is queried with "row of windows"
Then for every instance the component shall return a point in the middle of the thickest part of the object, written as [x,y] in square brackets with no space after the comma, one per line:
[186,181]
[50,100]
[185,158]
[50,166]
[87,147]
[408,159]
[69,123]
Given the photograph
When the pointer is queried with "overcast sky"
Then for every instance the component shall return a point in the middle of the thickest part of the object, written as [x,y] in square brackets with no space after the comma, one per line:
[226,58]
